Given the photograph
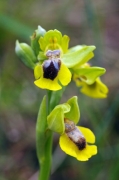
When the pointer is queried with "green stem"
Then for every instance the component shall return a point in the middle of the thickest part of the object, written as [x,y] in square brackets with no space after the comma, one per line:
[45,164]
[49,93]
[45,137]
[45,159]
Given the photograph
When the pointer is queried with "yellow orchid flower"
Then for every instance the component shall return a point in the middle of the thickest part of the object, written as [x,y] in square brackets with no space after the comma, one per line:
[52,73]
[74,141]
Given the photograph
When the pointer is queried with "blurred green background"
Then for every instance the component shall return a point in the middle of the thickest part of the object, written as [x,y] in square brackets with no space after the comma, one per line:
[87,22]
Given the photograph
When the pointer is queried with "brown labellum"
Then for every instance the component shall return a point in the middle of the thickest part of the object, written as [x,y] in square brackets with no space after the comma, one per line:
[75,134]
[52,65]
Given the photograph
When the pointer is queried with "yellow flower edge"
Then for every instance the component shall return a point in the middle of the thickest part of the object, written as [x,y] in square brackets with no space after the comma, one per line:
[64,76]
[96,90]
[88,134]
[44,83]
[70,148]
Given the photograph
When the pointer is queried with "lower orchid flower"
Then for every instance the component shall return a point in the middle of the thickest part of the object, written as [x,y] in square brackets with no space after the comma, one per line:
[74,140]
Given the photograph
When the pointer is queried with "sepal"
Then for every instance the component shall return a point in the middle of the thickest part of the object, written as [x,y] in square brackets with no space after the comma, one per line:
[55,119]
[89,74]
[74,113]
[69,110]
[78,55]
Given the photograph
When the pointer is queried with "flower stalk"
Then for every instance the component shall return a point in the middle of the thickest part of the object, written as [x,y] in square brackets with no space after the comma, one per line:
[43,141]
[45,164]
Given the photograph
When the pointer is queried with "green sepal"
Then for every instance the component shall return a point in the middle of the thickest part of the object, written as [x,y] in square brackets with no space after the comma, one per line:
[55,120]
[53,40]
[26,54]
[78,55]
[41,130]
[74,113]
[34,39]
[89,74]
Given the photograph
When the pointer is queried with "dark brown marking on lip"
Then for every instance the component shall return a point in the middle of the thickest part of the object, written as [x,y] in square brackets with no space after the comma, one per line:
[51,68]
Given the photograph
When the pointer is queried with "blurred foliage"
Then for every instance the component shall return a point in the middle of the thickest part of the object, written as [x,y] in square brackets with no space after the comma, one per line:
[86,22]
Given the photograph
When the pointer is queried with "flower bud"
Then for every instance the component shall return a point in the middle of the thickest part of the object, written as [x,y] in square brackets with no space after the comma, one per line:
[26,54]
[34,39]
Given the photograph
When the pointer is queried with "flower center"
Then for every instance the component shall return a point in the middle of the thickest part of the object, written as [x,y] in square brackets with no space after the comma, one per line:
[51,68]
[53,54]
[52,65]
[75,134]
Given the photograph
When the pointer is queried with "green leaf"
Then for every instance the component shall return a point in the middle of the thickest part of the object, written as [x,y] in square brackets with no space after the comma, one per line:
[41,129]
[35,38]
[77,55]
[26,54]
[74,113]
[17,28]
[89,74]
[55,119]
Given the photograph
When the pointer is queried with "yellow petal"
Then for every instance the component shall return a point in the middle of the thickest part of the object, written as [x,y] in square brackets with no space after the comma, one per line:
[81,155]
[47,84]
[96,90]
[71,149]
[67,145]
[88,134]
[92,149]
[37,71]
[64,75]
[86,153]
[104,87]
